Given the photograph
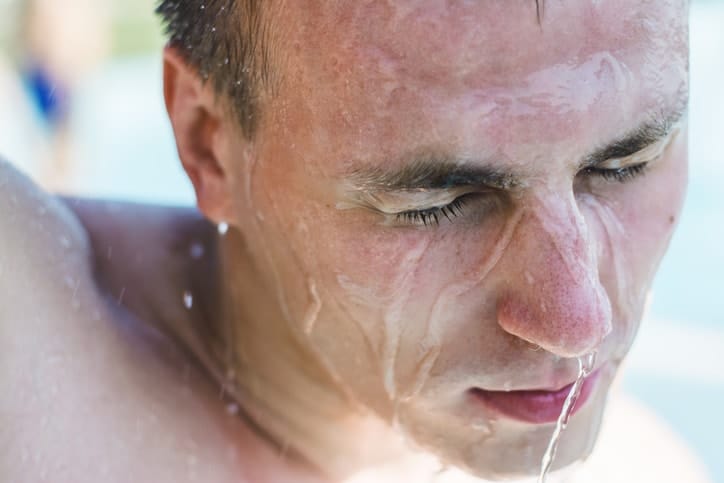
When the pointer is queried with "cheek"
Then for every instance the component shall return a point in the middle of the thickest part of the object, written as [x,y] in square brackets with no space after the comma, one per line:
[651,212]
[391,263]
[387,284]
[634,228]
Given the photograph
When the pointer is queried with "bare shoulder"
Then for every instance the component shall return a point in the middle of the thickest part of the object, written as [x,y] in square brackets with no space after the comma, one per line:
[636,445]
[39,237]
[86,394]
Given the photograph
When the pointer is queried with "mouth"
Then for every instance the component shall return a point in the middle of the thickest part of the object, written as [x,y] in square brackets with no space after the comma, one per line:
[533,406]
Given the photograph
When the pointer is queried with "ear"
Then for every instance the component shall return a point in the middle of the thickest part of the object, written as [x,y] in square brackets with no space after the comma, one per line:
[198,125]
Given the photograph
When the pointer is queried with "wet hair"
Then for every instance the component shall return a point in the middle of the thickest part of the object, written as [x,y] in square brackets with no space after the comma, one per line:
[227,42]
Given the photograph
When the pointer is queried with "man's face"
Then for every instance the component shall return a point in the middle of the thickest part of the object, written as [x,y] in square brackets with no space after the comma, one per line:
[452,202]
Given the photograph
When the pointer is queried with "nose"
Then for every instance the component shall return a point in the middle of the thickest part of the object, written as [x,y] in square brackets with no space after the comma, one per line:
[553,297]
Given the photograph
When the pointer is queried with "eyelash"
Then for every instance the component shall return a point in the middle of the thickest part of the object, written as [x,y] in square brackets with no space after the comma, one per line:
[433,216]
[621,175]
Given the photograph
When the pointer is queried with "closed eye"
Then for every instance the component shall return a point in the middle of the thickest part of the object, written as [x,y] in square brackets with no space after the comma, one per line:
[632,166]
[432,216]
[621,175]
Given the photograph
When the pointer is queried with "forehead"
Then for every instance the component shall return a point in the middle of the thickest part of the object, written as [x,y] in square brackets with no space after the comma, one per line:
[486,68]
[491,39]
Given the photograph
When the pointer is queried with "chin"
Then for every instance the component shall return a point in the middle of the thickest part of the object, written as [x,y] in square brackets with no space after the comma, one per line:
[515,450]
[502,448]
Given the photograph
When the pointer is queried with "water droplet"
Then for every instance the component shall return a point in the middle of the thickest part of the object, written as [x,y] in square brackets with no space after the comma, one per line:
[482,427]
[121,295]
[223,228]
[310,318]
[529,278]
[232,409]
[64,242]
[188,300]
[196,250]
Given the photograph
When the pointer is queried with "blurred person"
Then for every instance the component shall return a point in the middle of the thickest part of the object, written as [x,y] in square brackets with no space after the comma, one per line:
[20,137]
[62,42]
[415,220]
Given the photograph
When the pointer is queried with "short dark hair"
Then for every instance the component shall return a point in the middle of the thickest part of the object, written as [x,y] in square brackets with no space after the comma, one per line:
[226,41]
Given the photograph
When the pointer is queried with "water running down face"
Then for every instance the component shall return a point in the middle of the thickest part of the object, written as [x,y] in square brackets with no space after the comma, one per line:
[449,203]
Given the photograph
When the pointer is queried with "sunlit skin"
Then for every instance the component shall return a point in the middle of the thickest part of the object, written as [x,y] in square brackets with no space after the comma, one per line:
[397,315]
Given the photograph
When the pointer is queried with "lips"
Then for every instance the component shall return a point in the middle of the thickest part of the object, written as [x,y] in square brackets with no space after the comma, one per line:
[537,407]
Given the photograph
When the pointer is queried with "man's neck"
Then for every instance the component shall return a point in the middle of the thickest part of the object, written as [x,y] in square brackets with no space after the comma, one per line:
[285,389]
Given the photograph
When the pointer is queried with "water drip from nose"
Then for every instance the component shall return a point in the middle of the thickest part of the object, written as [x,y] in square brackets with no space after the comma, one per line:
[585,367]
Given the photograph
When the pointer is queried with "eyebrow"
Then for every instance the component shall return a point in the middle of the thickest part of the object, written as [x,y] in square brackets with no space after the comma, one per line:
[427,169]
[647,134]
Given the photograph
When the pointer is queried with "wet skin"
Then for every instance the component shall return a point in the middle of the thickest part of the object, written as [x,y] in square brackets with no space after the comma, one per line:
[559,154]
[84,353]
[348,315]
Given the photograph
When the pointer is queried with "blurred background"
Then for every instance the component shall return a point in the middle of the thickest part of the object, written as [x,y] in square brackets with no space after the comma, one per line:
[81,111]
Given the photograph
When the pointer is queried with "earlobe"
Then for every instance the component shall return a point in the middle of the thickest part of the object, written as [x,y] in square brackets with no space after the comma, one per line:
[197,125]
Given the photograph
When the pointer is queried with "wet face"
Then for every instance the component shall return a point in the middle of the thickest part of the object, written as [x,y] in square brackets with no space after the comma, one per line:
[451,203]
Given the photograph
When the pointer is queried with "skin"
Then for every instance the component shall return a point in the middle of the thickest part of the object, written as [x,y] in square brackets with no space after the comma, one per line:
[347,341]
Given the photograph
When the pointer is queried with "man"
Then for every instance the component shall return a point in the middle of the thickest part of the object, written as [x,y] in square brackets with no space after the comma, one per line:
[425,217]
